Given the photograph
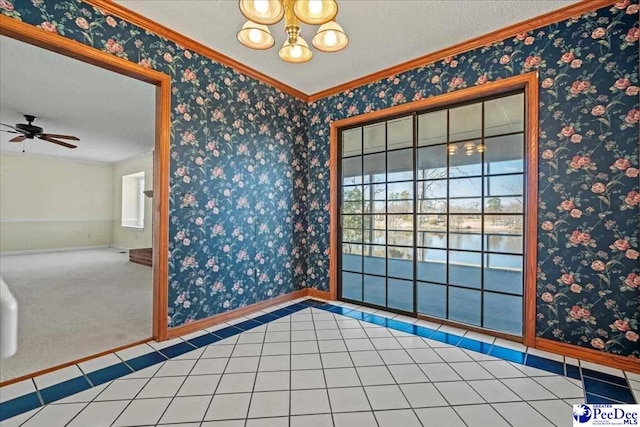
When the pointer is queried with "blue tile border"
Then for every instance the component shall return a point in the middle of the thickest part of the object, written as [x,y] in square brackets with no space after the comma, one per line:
[599,387]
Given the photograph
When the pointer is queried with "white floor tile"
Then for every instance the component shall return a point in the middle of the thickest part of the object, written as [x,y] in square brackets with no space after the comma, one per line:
[424,355]
[277,363]
[276,336]
[228,407]
[453,354]
[404,374]
[240,364]
[209,366]
[439,372]
[231,423]
[309,379]
[561,387]
[84,396]
[199,385]
[334,360]
[332,346]
[276,349]
[18,389]
[423,395]
[133,352]
[528,389]
[186,409]
[502,369]
[441,417]
[236,383]
[376,375]
[555,410]
[412,342]
[55,415]
[309,402]
[122,390]
[323,420]
[480,337]
[144,373]
[353,419]
[269,404]
[366,358]
[519,414]
[304,347]
[354,333]
[359,344]
[217,350]
[55,377]
[386,397]
[98,363]
[395,357]
[99,414]
[341,377]
[19,420]
[244,350]
[161,387]
[404,418]
[268,422]
[480,416]
[532,372]
[142,412]
[458,393]
[272,381]
[494,391]
[348,399]
[251,338]
[173,368]
[191,355]
[471,371]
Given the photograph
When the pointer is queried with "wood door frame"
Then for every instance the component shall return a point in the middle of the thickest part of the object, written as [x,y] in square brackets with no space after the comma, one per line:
[53,42]
[527,82]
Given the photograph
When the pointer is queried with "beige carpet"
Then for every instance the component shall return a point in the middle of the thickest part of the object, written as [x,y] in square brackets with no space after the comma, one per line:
[75,304]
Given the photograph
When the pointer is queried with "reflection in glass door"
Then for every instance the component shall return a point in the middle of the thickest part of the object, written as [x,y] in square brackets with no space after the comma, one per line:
[432,213]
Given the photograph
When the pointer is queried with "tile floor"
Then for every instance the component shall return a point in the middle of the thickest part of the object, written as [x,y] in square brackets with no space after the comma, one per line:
[313,364]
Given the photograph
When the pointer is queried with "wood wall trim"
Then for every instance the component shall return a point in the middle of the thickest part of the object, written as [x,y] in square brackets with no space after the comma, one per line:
[221,318]
[314,293]
[188,43]
[528,82]
[32,35]
[483,40]
[75,362]
[588,354]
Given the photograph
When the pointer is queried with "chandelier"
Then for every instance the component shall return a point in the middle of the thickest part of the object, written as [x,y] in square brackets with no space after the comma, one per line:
[256,35]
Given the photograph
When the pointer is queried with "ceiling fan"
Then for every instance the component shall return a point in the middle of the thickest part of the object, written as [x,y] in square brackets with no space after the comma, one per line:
[29,131]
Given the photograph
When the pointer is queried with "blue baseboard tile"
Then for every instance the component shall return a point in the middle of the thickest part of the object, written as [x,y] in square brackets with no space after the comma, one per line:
[19,405]
[248,324]
[604,377]
[446,338]
[337,309]
[607,390]
[545,364]
[64,389]
[109,373]
[177,350]
[204,340]
[227,332]
[573,372]
[507,354]
[474,345]
[144,361]
[376,320]
[266,318]
[420,331]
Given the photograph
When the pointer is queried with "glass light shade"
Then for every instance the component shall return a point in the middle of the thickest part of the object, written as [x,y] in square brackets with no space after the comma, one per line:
[265,12]
[330,38]
[481,148]
[255,36]
[298,52]
[315,12]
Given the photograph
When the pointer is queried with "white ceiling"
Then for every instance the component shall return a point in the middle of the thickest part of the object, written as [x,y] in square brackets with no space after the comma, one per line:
[113,115]
[382,33]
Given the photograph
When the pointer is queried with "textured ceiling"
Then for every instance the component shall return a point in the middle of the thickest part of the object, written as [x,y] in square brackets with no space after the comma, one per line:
[382,33]
[113,115]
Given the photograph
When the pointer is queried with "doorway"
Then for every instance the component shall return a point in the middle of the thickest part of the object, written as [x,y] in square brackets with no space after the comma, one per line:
[433,212]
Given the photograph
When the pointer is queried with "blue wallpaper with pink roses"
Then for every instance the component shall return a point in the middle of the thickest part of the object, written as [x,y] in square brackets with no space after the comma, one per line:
[588,267]
[250,188]
[238,171]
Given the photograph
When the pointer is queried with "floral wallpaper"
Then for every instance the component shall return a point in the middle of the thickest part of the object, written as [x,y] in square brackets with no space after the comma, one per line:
[588,268]
[238,171]
[249,166]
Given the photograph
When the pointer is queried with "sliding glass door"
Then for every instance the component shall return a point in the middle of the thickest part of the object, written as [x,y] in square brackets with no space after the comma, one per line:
[432,213]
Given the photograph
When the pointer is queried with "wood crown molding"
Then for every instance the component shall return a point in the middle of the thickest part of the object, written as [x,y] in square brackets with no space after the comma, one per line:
[188,43]
[480,41]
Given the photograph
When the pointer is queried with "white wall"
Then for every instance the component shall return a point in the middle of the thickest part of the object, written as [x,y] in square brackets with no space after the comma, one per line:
[130,238]
[48,203]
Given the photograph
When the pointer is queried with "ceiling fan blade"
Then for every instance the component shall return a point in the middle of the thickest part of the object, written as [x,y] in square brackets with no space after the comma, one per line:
[55,141]
[9,131]
[9,126]
[53,135]
[18,138]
